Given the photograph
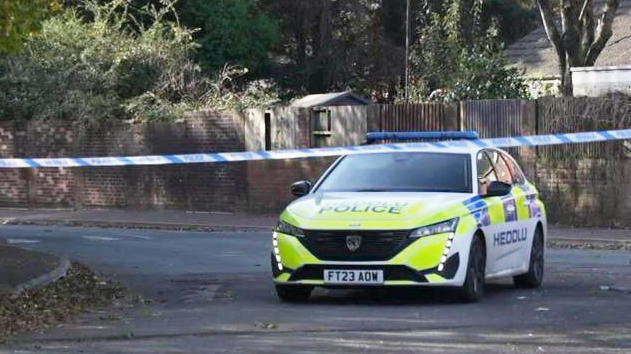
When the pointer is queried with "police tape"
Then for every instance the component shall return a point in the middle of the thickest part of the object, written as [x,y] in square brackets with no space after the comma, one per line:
[531,140]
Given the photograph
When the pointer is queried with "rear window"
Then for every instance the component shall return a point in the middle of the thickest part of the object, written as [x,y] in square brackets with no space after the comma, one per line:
[403,171]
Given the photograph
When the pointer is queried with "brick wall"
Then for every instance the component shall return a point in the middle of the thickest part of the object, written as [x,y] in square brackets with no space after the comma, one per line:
[269,181]
[215,187]
[13,182]
[46,186]
[591,192]
[581,184]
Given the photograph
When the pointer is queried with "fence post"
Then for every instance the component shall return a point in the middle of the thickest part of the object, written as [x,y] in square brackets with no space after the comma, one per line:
[461,115]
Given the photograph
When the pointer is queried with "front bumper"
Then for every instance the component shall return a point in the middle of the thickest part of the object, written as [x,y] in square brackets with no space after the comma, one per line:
[416,265]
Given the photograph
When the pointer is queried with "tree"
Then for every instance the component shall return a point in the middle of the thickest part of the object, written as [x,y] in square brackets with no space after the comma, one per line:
[329,45]
[482,76]
[579,41]
[231,31]
[458,55]
[20,19]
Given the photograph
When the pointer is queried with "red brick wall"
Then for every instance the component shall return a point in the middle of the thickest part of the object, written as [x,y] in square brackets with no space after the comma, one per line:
[592,192]
[46,186]
[584,191]
[216,187]
[13,184]
[269,181]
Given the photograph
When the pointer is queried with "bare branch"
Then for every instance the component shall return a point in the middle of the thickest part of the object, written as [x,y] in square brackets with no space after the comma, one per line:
[583,9]
[586,20]
[547,16]
[604,32]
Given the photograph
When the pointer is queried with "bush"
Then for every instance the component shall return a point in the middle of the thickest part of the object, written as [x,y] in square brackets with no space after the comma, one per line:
[96,63]
[483,76]
[231,31]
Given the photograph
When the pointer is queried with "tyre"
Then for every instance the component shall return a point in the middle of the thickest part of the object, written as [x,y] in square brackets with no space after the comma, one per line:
[534,277]
[293,293]
[473,287]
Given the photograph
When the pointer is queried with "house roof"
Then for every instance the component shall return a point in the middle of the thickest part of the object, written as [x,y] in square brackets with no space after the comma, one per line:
[331,99]
[535,53]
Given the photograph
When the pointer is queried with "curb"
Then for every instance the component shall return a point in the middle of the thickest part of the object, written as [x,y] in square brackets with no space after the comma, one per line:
[588,243]
[156,225]
[60,271]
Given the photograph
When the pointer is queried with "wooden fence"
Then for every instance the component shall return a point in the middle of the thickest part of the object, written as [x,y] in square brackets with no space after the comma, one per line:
[417,117]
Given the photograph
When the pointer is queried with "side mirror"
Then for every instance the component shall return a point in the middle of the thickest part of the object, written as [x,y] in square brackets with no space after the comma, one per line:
[498,189]
[301,188]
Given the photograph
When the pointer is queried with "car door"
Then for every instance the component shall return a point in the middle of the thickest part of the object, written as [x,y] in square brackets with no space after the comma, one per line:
[510,238]
[527,211]
[491,216]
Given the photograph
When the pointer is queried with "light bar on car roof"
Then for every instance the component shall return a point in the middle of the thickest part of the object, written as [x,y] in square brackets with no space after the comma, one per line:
[443,135]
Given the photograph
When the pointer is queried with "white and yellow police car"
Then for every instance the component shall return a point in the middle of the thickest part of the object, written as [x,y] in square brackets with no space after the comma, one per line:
[452,217]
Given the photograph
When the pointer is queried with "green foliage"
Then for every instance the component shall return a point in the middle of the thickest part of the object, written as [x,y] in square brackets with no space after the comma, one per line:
[225,91]
[98,63]
[540,86]
[459,57]
[482,76]
[21,19]
[231,31]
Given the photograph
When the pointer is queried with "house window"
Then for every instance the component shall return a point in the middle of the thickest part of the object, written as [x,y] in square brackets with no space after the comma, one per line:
[322,122]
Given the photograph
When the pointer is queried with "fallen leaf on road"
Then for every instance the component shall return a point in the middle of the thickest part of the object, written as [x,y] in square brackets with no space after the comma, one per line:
[77,292]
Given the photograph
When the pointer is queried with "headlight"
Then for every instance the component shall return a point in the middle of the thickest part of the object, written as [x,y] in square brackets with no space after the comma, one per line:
[288,229]
[439,228]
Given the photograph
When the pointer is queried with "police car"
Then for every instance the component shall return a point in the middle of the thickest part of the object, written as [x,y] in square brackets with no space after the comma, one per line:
[451,217]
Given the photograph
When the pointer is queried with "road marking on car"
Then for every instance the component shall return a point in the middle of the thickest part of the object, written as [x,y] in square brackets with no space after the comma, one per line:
[100,238]
[21,240]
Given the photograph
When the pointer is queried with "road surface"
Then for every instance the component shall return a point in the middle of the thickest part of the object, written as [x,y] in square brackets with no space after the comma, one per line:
[211,293]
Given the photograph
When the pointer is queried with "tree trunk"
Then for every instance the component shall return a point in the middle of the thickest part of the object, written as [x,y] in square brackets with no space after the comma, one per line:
[567,88]
[578,43]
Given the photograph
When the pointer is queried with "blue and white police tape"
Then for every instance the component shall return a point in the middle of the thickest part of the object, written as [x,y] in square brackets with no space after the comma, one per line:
[532,140]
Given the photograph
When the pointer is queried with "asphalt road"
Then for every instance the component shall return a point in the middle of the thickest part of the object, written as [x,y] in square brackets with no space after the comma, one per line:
[211,293]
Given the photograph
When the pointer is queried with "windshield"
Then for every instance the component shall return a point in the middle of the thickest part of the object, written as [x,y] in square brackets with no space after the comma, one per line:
[401,171]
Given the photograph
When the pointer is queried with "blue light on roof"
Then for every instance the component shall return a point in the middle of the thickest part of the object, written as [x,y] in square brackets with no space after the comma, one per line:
[443,135]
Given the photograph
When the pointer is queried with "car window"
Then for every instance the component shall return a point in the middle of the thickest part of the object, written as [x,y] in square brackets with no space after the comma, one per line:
[501,169]
[401,171]
[518,175]
[486,172]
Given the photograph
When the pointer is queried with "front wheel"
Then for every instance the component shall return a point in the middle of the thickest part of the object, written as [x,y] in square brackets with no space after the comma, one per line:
[473,287]
[293,293]
[534,277]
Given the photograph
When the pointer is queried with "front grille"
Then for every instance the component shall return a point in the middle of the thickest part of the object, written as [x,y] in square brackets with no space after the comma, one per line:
[375,245]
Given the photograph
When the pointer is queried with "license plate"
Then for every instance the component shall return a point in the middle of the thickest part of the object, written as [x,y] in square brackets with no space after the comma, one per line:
[343,276]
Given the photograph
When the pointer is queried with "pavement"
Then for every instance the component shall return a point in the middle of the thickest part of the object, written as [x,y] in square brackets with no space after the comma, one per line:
[152,219]
[211,292]
[559,236]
